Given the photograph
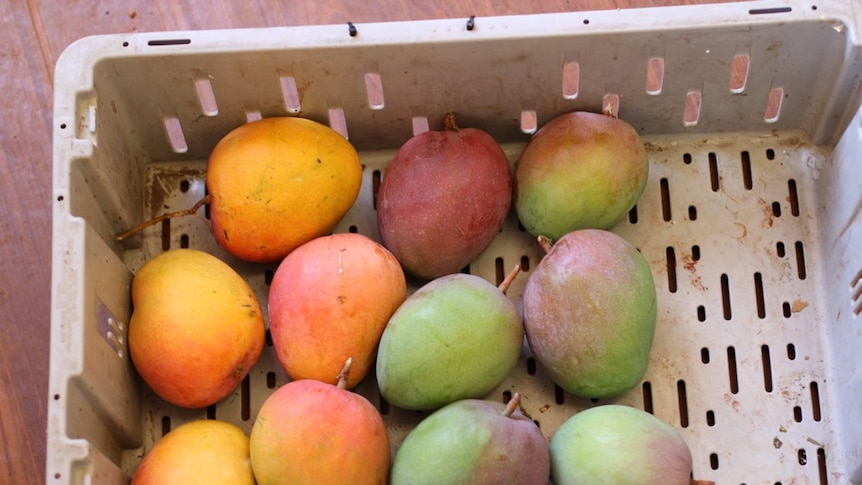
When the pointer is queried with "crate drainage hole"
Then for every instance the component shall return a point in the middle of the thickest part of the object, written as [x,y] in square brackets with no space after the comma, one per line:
[731,369]
[671,269]
[665,199]
[746,171]
[647,393]
[767,368]
[714,180]
[683,403]
[710,418]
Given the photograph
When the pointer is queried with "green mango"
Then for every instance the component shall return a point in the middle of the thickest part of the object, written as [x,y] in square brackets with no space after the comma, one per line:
[456,337]
[615,444]
[474,442]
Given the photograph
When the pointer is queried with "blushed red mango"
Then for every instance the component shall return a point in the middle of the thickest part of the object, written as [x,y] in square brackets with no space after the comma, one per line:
[329,300]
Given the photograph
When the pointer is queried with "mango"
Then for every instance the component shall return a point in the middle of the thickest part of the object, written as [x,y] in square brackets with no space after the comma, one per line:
[442,200]
[615,444]
[580,170]
[474,442]
[197,327]
[276,183]
[456,337]
[205,452]
[309,432]
[590,313]
[330,299]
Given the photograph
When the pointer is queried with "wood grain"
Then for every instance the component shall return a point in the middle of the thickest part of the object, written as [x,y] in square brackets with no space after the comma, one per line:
[34,35]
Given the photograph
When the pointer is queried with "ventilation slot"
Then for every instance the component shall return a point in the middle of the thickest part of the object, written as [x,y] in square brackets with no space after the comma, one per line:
[337,121]
[739,73]
[529,122]
[773,105]
[176,137]
[420,125]
[611,104]
[206,95]
[290,94]
[571,79]
[374,90]
[691,113]
[655,75]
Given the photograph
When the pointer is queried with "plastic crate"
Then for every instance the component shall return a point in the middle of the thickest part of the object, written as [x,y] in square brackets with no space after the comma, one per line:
[750,220]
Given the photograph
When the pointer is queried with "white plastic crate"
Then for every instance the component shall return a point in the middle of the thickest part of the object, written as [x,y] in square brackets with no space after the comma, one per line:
[750,220]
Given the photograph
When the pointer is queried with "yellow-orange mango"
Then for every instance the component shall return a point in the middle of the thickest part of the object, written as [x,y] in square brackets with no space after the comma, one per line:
[330,299]
[197,327]
[312,433]
[205,452]
[276,183]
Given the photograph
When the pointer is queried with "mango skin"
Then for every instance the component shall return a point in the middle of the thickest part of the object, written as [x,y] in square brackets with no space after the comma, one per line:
[470,442]
[197,327]
[330,299]
[205,452]
[456,337]
[590,313]
[580,170]
[311,433]
[443,199]
[279,182]
[618,445]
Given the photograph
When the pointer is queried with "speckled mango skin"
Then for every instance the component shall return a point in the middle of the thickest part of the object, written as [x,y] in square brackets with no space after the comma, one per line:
[580,170]
[618,445]
[590,313]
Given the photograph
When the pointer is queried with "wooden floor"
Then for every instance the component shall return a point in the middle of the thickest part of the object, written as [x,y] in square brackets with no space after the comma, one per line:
[34,34]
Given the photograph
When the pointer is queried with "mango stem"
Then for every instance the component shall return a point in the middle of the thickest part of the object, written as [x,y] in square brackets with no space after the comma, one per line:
[545,243]
[170,215]
[449,122]
[342,376]
[512,405]
[504,285]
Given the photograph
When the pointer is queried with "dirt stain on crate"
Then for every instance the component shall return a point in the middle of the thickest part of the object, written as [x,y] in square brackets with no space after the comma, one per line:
[690,265]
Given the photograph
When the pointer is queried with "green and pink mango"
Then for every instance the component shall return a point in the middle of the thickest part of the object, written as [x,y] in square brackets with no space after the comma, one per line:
[580,170]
